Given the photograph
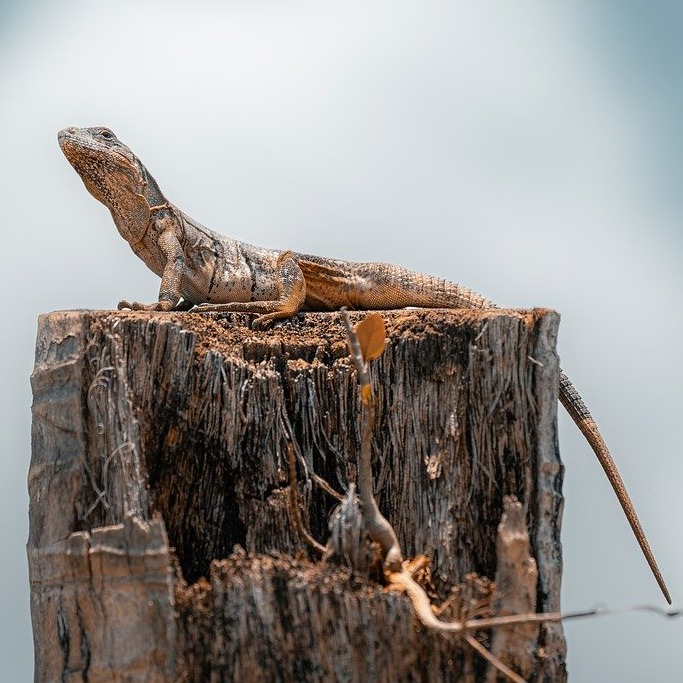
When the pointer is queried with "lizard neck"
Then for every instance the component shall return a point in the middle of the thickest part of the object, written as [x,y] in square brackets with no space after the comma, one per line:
[134,202]
[117,178]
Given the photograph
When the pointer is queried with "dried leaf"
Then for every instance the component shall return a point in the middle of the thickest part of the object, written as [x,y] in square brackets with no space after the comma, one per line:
[366,393]
[371,335]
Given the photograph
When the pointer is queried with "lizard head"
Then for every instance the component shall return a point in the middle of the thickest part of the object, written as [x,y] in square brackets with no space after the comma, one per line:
[113,175]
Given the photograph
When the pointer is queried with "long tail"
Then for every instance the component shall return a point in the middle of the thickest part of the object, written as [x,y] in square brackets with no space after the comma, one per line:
[581,416]
[424,290]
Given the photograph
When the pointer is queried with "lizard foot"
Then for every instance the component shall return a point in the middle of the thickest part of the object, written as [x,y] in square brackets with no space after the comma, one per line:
[265,308]
[264,320]
[135,306]
[232,307]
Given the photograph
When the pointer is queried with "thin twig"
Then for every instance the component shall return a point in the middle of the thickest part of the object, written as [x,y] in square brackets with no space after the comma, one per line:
[326,487]
[493,661]
[294,504]
[376,525]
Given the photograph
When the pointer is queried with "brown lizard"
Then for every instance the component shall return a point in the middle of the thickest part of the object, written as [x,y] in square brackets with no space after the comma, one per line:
[203,269]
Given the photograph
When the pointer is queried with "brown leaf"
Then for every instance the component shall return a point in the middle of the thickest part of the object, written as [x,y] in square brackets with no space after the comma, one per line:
[371,335]
[366,393]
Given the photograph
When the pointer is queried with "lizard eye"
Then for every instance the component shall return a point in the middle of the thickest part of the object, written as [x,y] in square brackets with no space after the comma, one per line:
[107,134]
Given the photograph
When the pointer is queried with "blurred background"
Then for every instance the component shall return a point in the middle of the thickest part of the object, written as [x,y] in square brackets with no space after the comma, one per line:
[531,151]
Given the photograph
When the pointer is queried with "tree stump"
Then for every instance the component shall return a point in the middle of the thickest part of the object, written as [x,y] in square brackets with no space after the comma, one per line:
[161,544]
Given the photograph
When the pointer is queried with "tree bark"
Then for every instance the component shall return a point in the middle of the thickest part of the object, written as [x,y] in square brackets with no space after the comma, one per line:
[161,544]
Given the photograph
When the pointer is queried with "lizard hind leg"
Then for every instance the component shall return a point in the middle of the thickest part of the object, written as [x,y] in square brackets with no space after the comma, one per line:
[291,288]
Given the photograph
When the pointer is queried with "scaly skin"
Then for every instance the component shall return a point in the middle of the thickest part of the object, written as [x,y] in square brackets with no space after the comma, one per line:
[201,268]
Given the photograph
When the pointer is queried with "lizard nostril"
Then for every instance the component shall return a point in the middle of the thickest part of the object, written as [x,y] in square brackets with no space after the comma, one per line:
[66,131]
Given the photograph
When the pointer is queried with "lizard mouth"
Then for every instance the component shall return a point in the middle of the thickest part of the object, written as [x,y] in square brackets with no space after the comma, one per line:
[70,134]
[74,137]
[64,137]
[77,145]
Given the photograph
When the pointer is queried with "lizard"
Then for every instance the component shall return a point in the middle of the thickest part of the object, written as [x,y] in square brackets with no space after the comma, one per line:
[204,270]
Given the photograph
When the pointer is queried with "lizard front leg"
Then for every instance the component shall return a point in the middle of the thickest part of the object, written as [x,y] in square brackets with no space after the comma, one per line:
[171,278]
[291,287]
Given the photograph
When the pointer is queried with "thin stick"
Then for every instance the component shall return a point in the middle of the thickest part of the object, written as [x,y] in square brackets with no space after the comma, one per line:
[493,661]
[294,504]
[376,525]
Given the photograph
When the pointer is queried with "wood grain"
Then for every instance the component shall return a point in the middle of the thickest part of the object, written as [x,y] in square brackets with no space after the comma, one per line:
[161,438]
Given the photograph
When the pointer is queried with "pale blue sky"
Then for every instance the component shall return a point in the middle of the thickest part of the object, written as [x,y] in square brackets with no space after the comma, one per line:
[529,150]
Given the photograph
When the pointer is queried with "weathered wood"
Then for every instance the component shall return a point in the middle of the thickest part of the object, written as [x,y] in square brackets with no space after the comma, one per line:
[178,424]
[515,593]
